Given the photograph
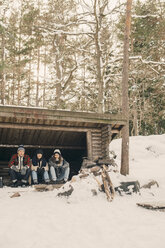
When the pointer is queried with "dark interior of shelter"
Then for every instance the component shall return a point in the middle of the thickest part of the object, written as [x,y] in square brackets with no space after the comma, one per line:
[71,144]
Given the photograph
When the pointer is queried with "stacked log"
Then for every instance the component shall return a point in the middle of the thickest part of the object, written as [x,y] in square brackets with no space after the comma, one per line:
[105,185]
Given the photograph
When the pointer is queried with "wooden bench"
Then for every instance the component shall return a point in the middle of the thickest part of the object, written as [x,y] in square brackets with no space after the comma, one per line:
[4,173]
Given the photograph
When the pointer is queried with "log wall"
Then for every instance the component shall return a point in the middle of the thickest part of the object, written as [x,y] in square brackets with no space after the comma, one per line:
[105,139]
[100,141]
[96,144]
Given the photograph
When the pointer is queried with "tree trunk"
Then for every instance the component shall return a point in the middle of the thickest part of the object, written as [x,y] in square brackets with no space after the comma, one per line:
[58,84]
[38,78]
[19,63]
[98,63]
[58,72]
[44,86]
[29,79]
[2,70]
[125,104]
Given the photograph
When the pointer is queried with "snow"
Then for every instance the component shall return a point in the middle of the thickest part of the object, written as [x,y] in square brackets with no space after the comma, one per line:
[42,219]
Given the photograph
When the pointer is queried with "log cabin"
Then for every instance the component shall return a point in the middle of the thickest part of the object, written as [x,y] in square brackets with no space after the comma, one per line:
[76,134]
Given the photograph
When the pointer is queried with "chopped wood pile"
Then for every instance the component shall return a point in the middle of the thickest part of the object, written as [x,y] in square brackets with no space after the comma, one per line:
[98,171]
[99,167]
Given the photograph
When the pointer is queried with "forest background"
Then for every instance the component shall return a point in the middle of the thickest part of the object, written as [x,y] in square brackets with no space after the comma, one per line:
[68,54]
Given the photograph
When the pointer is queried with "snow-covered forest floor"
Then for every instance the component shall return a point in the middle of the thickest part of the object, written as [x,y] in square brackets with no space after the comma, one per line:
[43,220]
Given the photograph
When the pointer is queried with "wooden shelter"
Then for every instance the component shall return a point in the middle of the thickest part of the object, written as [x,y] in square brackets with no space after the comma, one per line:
[77,134]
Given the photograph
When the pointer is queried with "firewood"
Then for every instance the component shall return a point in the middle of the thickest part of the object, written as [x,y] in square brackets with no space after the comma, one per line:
[109,182]
[107,191]
[83,175]
[95,169]
[43,187]
[74,179]
[150,184]
[153,205]
[17,194]
[100,185]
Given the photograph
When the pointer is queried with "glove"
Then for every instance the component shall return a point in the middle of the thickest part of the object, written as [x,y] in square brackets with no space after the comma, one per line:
[15,168]
[23,170]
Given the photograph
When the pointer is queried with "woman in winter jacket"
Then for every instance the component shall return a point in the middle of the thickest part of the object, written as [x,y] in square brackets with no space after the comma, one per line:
[39,168]
[59,168]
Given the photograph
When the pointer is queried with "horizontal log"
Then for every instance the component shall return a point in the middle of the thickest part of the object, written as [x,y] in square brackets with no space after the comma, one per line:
[105,128]
[105,134]
[96,148]
[115,131]
[45,147]
[96,143]
[46,127]
[98,133]
[96,138]
[98,154]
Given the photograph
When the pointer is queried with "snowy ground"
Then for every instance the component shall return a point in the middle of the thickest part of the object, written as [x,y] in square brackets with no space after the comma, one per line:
[43,220]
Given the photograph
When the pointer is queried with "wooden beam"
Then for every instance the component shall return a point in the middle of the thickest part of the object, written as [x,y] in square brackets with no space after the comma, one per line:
[115,131]
[44,127]
[44,147]
[89,144]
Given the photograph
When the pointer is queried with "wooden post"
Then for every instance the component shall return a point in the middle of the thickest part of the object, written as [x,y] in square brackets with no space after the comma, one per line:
[89,144]
[125,102]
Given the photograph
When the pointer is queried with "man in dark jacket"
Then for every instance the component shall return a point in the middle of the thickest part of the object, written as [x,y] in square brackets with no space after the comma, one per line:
[19,167]
[39,168]
[59,168]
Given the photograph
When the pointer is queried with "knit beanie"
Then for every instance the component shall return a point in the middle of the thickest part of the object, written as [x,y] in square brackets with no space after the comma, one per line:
[21,147]
[57,151]
[39,151]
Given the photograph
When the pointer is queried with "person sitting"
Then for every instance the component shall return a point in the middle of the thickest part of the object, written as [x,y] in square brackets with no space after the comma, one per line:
[59,168]
[19,167]
[39,168]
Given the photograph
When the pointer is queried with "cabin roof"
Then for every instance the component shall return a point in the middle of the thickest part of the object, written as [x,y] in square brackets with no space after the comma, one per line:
[35,125]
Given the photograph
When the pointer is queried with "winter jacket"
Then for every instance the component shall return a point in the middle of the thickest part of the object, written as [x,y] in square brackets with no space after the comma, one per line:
[63,164]
[39,163]
[14,161]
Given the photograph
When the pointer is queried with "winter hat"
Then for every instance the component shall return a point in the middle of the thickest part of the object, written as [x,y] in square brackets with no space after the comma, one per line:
[21,147]
[39,151]
[57,151]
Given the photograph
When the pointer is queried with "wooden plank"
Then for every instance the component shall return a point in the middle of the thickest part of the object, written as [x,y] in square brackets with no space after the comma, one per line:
[96,137]
[44,147]
[96,134]
[42,127]
[152,205]
[115,131]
